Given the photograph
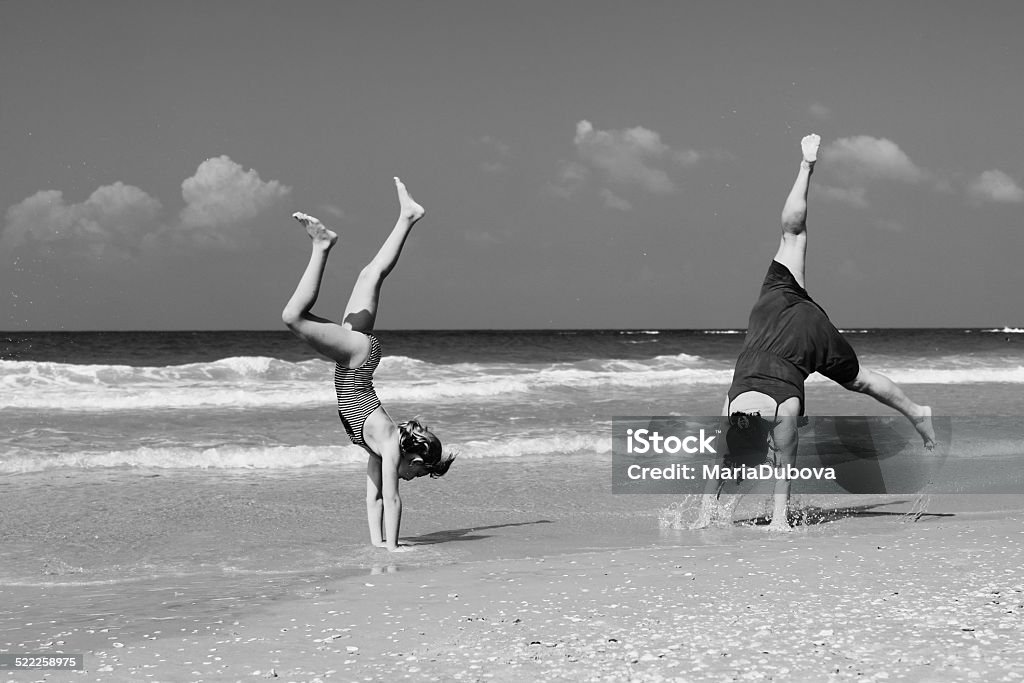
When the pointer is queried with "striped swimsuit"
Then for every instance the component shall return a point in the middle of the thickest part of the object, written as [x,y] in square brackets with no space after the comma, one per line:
[356,397]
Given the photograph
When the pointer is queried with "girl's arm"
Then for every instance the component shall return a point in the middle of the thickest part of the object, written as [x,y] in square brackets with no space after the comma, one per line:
[374,501]
[390,452]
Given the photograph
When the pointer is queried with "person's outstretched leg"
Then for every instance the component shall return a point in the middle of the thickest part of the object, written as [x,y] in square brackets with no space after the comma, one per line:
[793,246]
[361,311]
[887,392]
[308,289]
[325,336]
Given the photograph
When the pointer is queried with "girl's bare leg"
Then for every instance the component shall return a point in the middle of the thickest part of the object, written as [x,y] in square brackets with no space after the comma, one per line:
[361,311]
[325,336]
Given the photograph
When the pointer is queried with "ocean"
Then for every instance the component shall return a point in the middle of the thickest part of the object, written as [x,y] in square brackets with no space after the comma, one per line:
[186,474]
[180,401]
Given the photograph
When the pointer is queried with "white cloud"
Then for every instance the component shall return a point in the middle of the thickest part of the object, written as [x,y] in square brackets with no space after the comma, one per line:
[111,221]
[222,194]
[995,186]
[852,164]
[119,219]
[627,156]
[864,157]
[613,201]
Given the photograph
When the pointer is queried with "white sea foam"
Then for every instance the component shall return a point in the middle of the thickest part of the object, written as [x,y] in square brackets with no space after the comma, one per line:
[247,382]
[228,457]
[599,443]
[292,457]
[1007,330]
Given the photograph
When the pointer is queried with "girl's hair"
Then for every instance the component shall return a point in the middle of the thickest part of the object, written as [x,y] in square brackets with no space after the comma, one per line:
[416,439]
[747,439]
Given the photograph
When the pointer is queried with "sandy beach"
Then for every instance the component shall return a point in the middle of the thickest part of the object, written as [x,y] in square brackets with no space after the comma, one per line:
[866,596]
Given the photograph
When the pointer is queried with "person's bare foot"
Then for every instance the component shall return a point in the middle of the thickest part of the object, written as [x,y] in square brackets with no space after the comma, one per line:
[321,236]
[809,146]
[923,424]
[409,208]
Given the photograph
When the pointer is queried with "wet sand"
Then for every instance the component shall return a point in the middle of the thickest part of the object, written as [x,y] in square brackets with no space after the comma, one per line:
[865,596]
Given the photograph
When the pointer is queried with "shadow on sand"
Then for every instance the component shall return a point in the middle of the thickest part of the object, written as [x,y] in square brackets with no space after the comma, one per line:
[465,534]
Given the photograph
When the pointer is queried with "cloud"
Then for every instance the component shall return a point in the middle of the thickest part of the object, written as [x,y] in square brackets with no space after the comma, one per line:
[628,156]
[995,186]
[111,221]
[613,201]
[856,162]
[863,157]
[853,163]
[222,195]
[221,198]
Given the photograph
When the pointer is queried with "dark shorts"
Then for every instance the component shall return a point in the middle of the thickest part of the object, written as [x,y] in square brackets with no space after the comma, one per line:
[789,336]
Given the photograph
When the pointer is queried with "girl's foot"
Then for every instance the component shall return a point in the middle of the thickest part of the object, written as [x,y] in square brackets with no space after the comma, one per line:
[321,236]
[410,209]
[401,548]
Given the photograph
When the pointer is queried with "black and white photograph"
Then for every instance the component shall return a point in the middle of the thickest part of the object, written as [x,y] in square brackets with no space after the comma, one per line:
[522,341]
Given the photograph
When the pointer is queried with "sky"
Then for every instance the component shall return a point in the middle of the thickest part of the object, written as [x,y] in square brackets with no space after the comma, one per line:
[583,164]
